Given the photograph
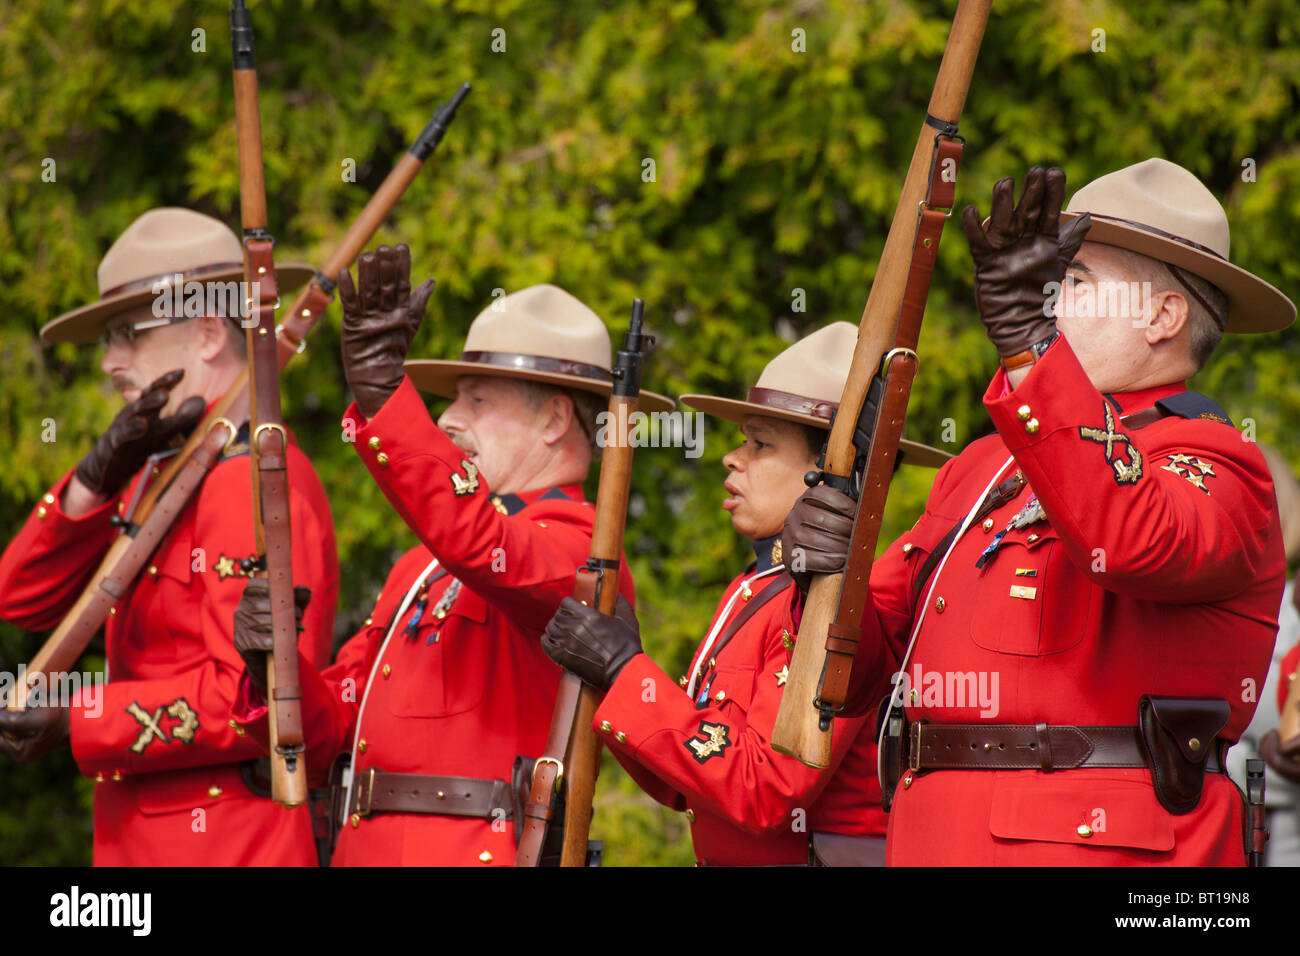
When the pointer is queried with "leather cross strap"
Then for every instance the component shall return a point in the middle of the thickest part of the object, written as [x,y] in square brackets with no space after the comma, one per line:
[378,791]
[1028,747]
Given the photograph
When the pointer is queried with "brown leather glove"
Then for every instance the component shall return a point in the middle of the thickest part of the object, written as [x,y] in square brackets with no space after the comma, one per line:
[587,643]
[253,635]
[135,433]
[1282,757]
[380,316]
[817,534]
[32,733]
[1022,251]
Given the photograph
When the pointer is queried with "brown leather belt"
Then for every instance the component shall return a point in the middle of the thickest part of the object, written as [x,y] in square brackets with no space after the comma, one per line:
[377,791]
[1030,747]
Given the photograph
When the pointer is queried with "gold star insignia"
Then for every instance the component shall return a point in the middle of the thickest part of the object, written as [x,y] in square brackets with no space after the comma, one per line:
[782,676]
[776,552]
[1191,468]
[225,568]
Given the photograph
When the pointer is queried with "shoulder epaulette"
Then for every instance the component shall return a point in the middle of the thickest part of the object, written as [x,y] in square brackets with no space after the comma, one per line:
[1191,404]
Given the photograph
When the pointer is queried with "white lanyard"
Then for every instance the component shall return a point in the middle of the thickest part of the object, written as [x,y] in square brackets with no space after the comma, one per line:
[707,646]
[356,734]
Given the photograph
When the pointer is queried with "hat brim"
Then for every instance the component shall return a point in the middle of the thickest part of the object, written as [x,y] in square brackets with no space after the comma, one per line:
[438,377]
[1254,306]
[733,410]
[86,324]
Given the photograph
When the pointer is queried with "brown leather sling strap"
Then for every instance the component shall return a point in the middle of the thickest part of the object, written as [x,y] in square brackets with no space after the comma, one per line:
[780,585]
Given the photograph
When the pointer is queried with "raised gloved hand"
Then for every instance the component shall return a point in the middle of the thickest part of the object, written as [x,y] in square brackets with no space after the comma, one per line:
[817,534]
[591,645]
[135,433]
[253,634]
[1284,758]
[28,734]
[1022,250]
[380,316]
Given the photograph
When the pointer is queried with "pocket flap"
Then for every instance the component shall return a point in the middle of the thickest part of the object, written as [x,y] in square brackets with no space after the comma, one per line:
[1100,810]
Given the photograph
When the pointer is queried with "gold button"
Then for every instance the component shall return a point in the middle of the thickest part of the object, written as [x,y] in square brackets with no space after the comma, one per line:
[1084,830]
[914,695]
[1023,413]
[1194,745]
[1031,426]
[112,612]
[485,856]
[356,820]
[386,671]
[907,781]
[117,775]
[907,547]
[683,681]
[374,443]
[239,732]
[99,778]
[382,459]
[153,570]
[40,512]
[214,791]
[367,623]
[621,737]
[720,696]
[606,726]
[713,662]
[745,592]
[988,524]
[786,641]
[690,816]
[940,604]
[361,746]
[48,499]
[1032,538]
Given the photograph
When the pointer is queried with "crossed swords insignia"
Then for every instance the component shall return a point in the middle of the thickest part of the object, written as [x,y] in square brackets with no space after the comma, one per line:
[469,484]
[151,724]
[716,741]
[1126,472]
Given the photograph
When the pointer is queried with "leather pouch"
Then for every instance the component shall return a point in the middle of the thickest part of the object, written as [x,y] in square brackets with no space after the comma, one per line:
[1178,735]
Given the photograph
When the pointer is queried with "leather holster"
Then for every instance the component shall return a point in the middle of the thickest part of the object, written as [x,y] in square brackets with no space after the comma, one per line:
[1178,735]
[893,754]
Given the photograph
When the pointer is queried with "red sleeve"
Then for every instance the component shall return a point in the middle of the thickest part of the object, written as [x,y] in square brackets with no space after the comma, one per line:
[522,565]
[1176,512]
[187,692]
[719,756]
[46,567]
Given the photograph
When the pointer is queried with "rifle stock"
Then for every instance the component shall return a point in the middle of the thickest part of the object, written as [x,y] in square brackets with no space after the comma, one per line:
[802,730]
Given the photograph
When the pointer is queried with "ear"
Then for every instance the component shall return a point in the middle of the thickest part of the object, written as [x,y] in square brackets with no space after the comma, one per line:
[1168,312]
[559,416]
[214,334]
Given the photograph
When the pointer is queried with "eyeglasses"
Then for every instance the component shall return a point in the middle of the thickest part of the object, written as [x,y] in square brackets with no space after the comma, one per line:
[127,333]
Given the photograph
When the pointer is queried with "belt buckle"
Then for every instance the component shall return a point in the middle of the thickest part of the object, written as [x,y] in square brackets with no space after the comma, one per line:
[914,748]
[365,792]
[559,769]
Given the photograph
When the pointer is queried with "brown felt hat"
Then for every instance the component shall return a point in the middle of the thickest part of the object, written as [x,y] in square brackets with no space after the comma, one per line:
[804,384]
[1161,210]
[153,249]
[541,334]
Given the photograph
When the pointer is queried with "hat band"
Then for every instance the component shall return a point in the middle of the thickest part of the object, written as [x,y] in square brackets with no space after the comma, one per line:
[537,363]
[789,402]
[1161,233]
[140,285]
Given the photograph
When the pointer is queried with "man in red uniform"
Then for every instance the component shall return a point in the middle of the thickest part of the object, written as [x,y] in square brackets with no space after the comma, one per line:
[171,772]
[447,684]
[1109,564]
[705,749]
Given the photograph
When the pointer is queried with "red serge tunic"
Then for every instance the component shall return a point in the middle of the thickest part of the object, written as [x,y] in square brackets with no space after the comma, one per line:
[157,738]
[1157,569]
[705,747]
[462,685]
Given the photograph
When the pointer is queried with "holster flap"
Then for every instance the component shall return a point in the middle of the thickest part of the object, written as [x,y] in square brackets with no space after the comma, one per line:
[1178,735]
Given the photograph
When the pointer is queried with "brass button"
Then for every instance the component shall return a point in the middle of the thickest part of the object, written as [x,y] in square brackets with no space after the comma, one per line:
[356,820]
[48,499]
[621,737]
[908,547]
[786,640]
[485,856]
[683,681]
[914,696]
[720,696]
[606,726]
[99,778]
[1084,830]
[1032,538]
[40,512]
[907,781]
[1031,426]
[112,612]
[713,662]
[366,623]
[382,459]
[690,816]
[214,791]
[361,746]
[374,443]
[940,604]
[386,670]
[1023,413]
[745,592]
[153,570]
[117,775]
[988,524]
[1194,744]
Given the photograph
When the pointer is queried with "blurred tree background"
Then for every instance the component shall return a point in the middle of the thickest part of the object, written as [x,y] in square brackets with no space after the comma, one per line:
[780,134]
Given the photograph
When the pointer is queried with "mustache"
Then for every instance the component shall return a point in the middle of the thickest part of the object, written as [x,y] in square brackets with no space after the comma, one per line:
[122,382]
[459,441]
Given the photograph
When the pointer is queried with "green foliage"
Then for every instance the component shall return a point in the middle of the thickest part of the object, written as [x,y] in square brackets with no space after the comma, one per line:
[775,170]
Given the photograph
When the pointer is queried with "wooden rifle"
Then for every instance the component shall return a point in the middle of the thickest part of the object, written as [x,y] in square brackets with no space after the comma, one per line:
[162,502]
[597,586]
[863,442]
